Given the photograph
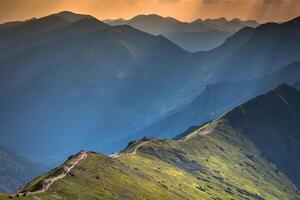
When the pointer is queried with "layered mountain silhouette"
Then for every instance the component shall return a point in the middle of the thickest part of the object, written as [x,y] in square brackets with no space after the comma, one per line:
[195,36]
[249,153]
[15,170]
[89,84]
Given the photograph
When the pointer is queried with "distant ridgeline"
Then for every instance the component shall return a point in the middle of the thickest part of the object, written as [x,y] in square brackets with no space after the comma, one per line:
[198,35]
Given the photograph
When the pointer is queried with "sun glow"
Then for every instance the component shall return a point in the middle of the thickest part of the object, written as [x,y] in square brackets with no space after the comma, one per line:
[186,10]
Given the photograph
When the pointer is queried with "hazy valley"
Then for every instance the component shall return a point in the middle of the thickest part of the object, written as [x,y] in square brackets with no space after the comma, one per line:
[156,107]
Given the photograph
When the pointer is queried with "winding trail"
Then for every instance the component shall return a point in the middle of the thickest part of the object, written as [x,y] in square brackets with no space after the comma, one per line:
[117,155]
[67,168]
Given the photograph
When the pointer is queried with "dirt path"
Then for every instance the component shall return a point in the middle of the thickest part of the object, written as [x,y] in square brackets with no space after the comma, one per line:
[117,155]
[67,168]
[196,133]
[204,132]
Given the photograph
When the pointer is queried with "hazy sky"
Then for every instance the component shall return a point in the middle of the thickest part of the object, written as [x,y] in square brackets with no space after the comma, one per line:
[187,10]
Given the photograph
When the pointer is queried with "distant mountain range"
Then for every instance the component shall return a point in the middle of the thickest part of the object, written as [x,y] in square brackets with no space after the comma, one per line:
[91,85]
[156,24]
[198,35]
[15,171]
[249,153]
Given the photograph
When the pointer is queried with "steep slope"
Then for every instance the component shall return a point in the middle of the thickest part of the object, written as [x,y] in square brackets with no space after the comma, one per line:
[279,143]
[15,170]
[214,58]
[228,158]
[219,98]
[270,47]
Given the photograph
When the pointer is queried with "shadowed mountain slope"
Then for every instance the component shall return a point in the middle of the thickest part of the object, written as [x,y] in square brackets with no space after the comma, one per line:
[272,121]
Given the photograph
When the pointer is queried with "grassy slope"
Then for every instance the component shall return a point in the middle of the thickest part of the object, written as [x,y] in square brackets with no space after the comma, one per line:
[223,164]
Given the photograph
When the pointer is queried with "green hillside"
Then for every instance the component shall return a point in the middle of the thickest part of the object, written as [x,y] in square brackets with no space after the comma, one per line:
[218,161]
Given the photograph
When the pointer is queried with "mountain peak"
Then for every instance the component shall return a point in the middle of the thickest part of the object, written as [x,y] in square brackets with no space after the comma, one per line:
[150,17]
[199,20]
[295,21]
[72,17]
[217,20]
[236,19]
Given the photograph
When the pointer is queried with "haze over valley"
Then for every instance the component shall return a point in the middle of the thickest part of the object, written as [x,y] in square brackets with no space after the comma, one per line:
[149,107]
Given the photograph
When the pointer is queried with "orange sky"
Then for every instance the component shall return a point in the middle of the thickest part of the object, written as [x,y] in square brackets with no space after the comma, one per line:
[186,10]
